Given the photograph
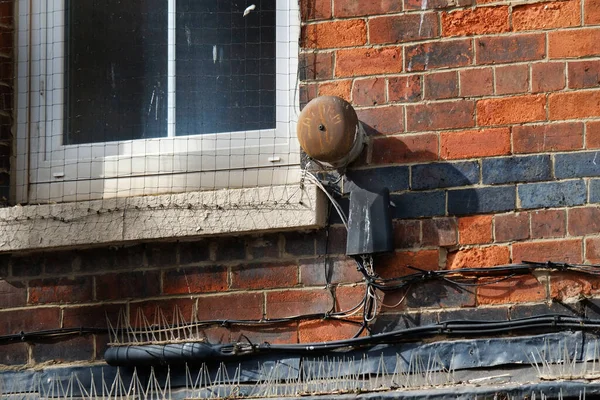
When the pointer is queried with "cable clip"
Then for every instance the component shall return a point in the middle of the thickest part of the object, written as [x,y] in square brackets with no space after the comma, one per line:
[22,334]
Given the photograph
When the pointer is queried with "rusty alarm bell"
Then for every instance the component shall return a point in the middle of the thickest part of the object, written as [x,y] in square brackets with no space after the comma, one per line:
[329,131]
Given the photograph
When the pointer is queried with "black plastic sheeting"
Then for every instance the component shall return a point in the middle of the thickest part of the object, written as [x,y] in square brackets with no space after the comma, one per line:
[493,355]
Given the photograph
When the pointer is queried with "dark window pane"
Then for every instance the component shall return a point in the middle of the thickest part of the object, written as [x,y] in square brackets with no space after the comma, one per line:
[116,80]
[225,66]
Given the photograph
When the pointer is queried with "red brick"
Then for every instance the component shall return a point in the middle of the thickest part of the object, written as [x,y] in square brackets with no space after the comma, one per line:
[554,137]
[93,316]
[476,82]
[574,43]
[260,276]
[442,115]
[467,144]
[326,330]
[396,264]
[584,220]
[592,250]
[127,285]
[571,285]
[231,306]
[404,88]
[475,230]
[440,232]
[592,135]
[546,77]
[315,9]
[287,303]
[315,66]
[519,289]
[339,88]
[591,12]
[427,56]
[347,297]
[476,21]
[369,92]
[333,34]
[548,224]
[383,120]
[435,4]
[407,234]
[546,15]
[584,74]
[512,79]
[153,310]
[12,294]
[568,250]
[352,8]
[514,48]
[307,92]
[443,85]
[323,270]
[478,257]
[79,348]
[403,28]
[365,61]
[195,280]
[570,105]
[64,290]
[509,227]
[511,110]
[34,319]
[405,149]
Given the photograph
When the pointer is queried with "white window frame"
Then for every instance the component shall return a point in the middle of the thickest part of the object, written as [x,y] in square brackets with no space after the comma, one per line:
[47,171]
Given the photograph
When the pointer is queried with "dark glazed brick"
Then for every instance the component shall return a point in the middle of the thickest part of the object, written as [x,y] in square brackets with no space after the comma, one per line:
[12,294]
[434,4]
[441,86]
[552,194]
[592,308]
[14,354]
[426,56]
[162,254]
[92,316]
[441,175]
[193,252]
[393,178]
[416,205]
[577,165]
[32,265]
[516,169]
[264,247]
[526,311]
[438,294]
[330,270]
[506,49]
[594,190]
[4,265]
[391,322]
[407,234]
[300,244]
[315,66]
[33,320]
[59,262]
[76,349]
[475,314]
[231,249]
[440,232]
[483,200]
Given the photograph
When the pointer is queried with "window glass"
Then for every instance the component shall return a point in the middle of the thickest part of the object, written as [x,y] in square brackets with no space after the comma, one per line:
[225,66]
[116,80]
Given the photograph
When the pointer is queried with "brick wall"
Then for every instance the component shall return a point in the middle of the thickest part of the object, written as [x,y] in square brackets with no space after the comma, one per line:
[484,122]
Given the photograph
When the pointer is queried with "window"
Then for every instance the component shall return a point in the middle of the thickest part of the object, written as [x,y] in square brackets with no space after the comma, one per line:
[133,97]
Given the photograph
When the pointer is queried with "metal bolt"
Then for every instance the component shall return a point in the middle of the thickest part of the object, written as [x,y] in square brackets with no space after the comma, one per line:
[321,127]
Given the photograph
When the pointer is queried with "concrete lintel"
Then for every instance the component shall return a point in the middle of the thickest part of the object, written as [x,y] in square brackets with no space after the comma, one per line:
[171,216]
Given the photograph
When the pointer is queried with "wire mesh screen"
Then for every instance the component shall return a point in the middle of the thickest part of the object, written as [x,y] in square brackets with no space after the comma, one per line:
[143,97]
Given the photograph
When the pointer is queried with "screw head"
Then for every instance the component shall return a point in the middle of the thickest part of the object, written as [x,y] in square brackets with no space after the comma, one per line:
[321,127]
